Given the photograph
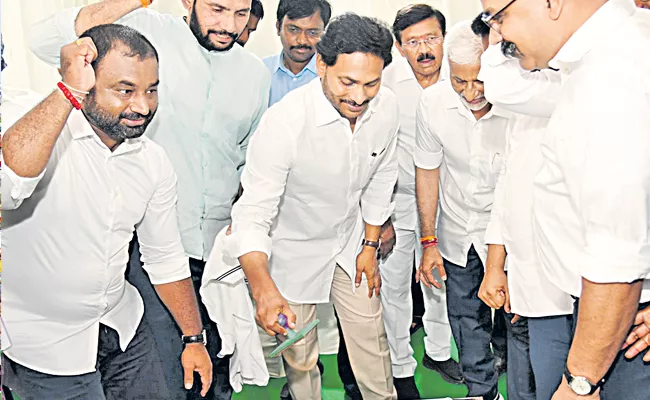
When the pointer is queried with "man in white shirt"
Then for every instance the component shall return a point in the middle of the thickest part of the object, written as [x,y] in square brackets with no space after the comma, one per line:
[460,139]
[591,197]
[213,94]
[75,185]
[545,312]
[321,170]
[419,32]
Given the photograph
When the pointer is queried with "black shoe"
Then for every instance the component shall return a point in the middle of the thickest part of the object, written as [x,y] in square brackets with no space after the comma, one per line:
[406,388]
[500,365]
[352,392]
[321,367]
[449,370]
[416,324]
[285,394]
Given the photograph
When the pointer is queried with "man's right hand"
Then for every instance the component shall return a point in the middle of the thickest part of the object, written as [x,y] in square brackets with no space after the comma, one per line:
[431,259]
[270,304]
[76,69]
[494,290]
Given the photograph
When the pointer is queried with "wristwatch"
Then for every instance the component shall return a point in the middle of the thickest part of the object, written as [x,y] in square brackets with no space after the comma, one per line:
[200,338]
[581,385]
[370,243]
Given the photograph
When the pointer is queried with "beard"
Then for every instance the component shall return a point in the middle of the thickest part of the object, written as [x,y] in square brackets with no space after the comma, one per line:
[474,107]
[110,124]
[204,40]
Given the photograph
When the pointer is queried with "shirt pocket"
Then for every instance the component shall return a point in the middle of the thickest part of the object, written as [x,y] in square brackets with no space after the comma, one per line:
[493,169]
[370,164]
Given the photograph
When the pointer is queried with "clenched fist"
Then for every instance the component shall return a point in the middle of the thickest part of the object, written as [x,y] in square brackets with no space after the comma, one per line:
[76,69]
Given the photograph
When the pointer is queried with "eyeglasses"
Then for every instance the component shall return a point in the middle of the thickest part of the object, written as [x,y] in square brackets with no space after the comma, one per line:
[494,21]
[429,41]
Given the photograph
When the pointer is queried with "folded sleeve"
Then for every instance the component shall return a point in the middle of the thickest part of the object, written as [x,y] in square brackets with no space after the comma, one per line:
[507,85]
[612,186]
[270,155]
[376,204]
[15,189]
[160,240]
[428,147]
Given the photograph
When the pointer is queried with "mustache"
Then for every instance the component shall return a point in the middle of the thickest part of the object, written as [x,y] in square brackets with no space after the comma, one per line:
[234,36]
[134,116]
[354,103]
[301,46]
[510,50]
[425,57]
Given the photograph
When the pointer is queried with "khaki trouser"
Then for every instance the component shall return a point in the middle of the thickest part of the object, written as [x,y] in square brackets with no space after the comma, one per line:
[365,337]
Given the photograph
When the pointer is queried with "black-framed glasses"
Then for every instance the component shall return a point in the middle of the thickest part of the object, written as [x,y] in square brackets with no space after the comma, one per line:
[493,20]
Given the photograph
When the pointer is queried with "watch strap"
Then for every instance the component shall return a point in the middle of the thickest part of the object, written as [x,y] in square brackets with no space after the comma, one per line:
[370,243]
[200,338]
[569,378]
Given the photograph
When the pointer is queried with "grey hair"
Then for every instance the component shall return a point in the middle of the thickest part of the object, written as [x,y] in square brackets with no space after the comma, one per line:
[462,45]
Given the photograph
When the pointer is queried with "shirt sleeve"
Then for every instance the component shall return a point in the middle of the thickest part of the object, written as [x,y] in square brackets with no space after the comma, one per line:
[428,148]
[47,37]
[15,189]
[160,241]
[494,232]
[376,205]
[263,105]
[268,161]
[509,86]
[613,183]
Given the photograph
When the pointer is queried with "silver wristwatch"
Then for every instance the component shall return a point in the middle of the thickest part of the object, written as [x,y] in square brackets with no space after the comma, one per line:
[581,385]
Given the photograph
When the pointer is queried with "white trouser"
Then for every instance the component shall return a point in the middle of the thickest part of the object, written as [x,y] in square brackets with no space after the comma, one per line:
[396,273]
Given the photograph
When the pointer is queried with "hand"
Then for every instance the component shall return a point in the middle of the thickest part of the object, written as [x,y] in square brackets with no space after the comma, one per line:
[564,392]
[431,259]
[367,264]
[639,338]
[494,290]
[195,358]
[387,239]
[270,304]
[76,70]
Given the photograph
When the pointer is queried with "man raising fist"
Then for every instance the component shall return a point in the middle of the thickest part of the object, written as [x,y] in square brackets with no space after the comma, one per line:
[75,186]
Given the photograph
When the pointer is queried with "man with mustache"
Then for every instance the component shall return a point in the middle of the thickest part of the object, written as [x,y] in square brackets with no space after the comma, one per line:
[201,125]
[591,195]
[419,32]
[75,186]
[317,188]
[300,24]
[460,140]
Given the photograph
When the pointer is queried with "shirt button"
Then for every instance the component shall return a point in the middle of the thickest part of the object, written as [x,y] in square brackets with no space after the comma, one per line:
[204,135]
[205,163]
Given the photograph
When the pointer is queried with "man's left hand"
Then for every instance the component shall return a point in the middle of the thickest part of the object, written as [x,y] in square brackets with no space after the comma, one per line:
[195,358]
[387,239]
[367,264]
[639,338]
[564,392]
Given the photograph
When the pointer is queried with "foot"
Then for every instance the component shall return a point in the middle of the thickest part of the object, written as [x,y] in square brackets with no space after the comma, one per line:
[352,392]
[285,394]
[498,397]
[500,365]
[416,325]
[449,370]
[406,388]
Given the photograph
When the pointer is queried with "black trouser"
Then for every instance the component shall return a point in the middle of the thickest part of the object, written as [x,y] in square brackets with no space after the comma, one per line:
[471,325]
[168,335]
[134,374]
[521,381]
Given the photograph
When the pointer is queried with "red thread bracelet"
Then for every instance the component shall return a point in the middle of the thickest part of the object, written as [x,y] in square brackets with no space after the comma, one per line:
[68,95]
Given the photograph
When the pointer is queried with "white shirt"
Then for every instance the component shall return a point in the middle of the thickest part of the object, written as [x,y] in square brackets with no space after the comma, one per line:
[531,293]
[592,195]
[399,78]
[65,241]
[210,104]
[468,153]
[309,185]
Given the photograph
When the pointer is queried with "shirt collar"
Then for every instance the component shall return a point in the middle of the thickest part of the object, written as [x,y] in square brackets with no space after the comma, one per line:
[404,72]
[278,64]
[325,111]
[597,28]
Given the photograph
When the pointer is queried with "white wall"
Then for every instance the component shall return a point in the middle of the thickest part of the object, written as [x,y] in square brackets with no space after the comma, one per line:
[27,71]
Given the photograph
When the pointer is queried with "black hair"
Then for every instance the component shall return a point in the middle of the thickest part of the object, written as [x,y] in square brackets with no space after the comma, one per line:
[257,9]
[107,37]
[413,14]
[479,27]
[297,9]
[351,33]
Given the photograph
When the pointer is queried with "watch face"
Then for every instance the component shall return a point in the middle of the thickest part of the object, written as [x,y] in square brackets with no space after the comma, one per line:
[580,386]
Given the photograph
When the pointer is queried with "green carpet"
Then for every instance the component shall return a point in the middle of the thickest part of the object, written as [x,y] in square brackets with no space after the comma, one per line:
[429,382]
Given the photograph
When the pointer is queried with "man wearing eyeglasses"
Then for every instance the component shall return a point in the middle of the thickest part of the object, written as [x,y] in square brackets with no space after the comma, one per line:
[419,32]
[460,140]
[592,195]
